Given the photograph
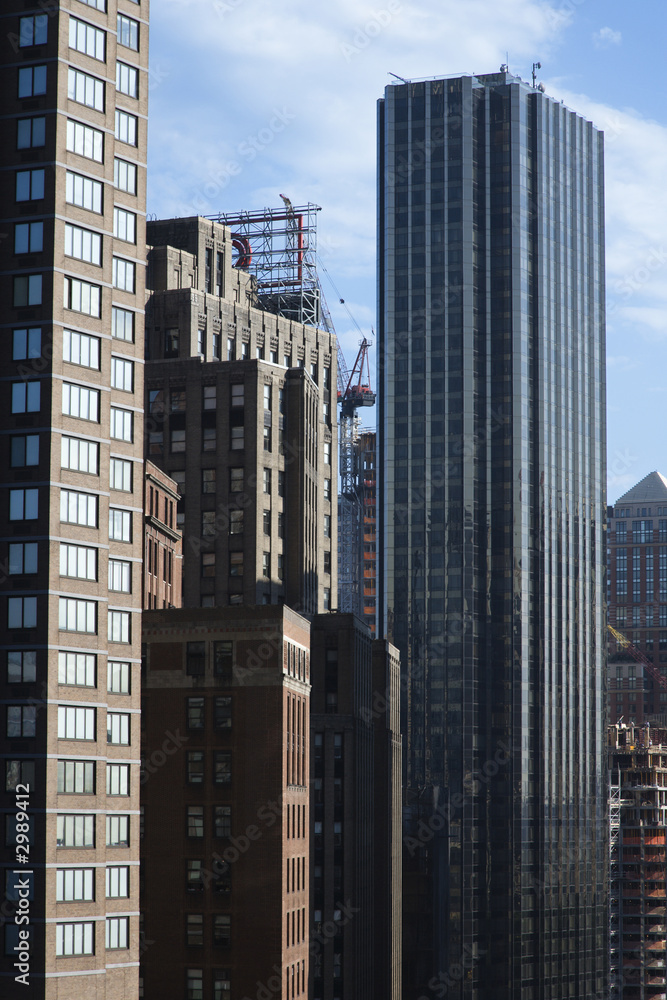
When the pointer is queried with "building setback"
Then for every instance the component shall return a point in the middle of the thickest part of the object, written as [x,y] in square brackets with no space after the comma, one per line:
[225,796]
[74,86]
[492,461]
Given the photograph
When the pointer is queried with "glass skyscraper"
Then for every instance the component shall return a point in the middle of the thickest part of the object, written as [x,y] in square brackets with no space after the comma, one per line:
[492,455]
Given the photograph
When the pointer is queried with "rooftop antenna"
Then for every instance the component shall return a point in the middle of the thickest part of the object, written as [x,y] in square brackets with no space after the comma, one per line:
[397,77]
[536,66]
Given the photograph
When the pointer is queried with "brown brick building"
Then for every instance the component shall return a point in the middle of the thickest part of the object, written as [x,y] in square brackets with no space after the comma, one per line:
[225,794]
[74,84]
[163,543]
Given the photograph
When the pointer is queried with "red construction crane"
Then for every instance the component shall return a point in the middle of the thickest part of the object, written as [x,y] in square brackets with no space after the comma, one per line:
[637,655]
[351,393]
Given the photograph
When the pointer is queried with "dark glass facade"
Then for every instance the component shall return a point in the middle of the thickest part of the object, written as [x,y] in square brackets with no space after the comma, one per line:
[492,553]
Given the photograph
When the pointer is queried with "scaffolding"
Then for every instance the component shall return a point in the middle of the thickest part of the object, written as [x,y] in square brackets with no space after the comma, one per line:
[278,246]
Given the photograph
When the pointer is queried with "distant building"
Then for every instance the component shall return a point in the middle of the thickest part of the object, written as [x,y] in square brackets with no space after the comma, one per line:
[357,555]
[163,555]
[638,896]
[637,598]
[225,766]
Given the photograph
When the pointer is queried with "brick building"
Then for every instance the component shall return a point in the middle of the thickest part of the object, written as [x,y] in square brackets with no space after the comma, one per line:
[225,746]
[74,85]
[163,543]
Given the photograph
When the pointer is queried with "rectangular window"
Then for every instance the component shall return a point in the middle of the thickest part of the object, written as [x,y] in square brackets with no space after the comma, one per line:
[78,561]
[121,424]
[127,32]
[25,397]
[237,442]
[126,128]
[118,779]
[122,324]
[327,526]
[194,984]
[77,616]
[195,821]
[26,343]
[76,777]
[118,831]
[33,30]
[119,626]
[327,453]
[30,133]
[81,296]
[223,713]
[118,676]
[125,175]
[194,929]
[32,81]
[83,192]
[21,612]
[117,882]
[208,481]
[76,669]
[21,721]
[120,475]
[24,450]
[81,349]
[222,985]
[127,79]
[30,184]
[222,929]
[22,557]
[78,508]
[97,4]
[195,659]
[85,89]
[87,39]
[75,939]
[177,440]
[209,439]
[266,522]
[85,141]
[76,723]
[75,885]
[117,933]
[120,576]
[266,480]
[195,767]
[120,525]
[124,225]
[82,244]
[27,290]
[28,237]
[208,564]
[118,728]
[79,455]
[123,274]
[23,505]
[22,666]
[195,709]
[78,401]
[75,831]
[222,821]
[222,763]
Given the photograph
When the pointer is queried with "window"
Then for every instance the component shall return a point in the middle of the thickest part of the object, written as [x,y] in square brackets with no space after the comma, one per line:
[266,480]
[26,343]
[123,274]
[327,562]
[195,767]
[222,821]
[122,324]
[25,397]
[117,932]
[22,557]
[21,721]
[30,184]
[33,30]
[237,398]
[171,344]
[222,929]
[120,475]
[193,881]
[209,439]
[118,831]
[281,566]
[119,626]
[81,349]
[222,768]
[81,296]
[23,505]
[208,481]
[76,723]
[78,561]
[85,89]
[177,440]
[77,616]
[82,244]
[118,676]
[208,564]
[266,522]
[195,821]
[78,508]
[281,525]
[118,779]
[281,484]
[120,576]
[195,659]
[75,831]
[223,712]
[266,565]
[120,525]
[126,128]
[327,525]
[85,141]
[80,402]
[267,397]
[327,453]
[76,777]
[194,929]
[194,984]
[77,669]
[24,450]
[327,489]
[27,290]
[267,439]
[28,237]
[19,772]
[237,442]
[121,424]
[195,709]
[31,133]
[87,39]
[21,666]
[32,81]
[236,522]
[208,401]
[125,175]
[75,939]
[222,985]
[79,455]
[97,4]
[127,80]
[236,564]
[21,612]
[128,32]
[236,480]
[117,882]
[124,225]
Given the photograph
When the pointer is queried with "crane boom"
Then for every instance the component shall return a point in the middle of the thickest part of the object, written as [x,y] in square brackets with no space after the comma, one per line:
[637,655]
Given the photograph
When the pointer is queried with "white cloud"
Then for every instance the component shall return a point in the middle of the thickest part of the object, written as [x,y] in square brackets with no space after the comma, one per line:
[606,37]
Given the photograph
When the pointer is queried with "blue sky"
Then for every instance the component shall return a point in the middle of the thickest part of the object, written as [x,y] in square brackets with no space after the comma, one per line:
[250,98]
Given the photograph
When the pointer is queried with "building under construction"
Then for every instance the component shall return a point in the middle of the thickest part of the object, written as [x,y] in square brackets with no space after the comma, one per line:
[638,891]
